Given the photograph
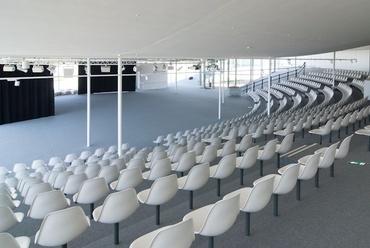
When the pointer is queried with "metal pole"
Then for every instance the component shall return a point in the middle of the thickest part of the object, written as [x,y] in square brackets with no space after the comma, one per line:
[119,95]
[88,71]
[268,89]
[333,70]
[222,77]
[228,72]
[176,76]
[251,74]
[236,70]
[219,99]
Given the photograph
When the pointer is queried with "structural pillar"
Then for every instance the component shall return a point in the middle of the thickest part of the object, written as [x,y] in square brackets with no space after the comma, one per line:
[88,117]
[119,96]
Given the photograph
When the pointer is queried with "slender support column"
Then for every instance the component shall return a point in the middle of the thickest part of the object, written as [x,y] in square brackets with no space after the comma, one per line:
[228,73]
[91,210]
[88,130]
[236,71]
[116,233]
[191,199]
[223,81]
[218,187]
[219,100]
[241,176]
[298,190]
[317,178]
[334,70]
[176,76]
[251,75]
[247,224]
[211,242]
[276,204]
[157,214]
[332,170]
[119,100]
[278,160]
[269,90]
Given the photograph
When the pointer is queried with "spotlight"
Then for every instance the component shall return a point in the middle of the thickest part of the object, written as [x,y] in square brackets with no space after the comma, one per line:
[37,69]
[155,68]
[164,67]
[51,68]
[17,83]
[10,68]
[25,65]
[134,68]
[105,68]
[123,68]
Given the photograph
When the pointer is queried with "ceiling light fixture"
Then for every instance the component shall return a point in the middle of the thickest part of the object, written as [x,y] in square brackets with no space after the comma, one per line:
[37,69]
[105,68]
[17,83]
[51,68]
[9,68]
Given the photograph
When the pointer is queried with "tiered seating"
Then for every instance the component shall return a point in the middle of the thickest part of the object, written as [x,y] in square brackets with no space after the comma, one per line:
[339,78]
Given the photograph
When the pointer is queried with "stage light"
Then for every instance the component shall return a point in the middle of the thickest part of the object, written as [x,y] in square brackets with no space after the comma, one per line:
[17,83]
[105,68]
[51,68]
[37,69]
[9,68]
[25,65]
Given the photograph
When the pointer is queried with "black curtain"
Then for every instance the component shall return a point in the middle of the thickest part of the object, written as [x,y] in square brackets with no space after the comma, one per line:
[106,84]
[33,98]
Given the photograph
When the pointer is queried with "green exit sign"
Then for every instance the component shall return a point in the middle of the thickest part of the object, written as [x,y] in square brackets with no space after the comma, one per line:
[358,163]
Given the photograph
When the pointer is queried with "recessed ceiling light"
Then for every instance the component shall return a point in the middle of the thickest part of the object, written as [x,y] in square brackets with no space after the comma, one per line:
[248,47]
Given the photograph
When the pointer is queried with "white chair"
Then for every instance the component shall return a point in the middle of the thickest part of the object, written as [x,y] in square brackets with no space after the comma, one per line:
[254,199]
[223,169]
[136,162]
[306,172]
[90,192]
[284,146]
[8,218]
[99,152]
[287,130]
[54,160]
[209,154]
[61,179]
[340,153]
[6,199]
[269,129]
[37,163]
[47,202]
[198,176]
[162,190]
[185,163]
[244,144]
[62,226]
[215,219]
[159,169]
[335,127]
[326,160]
[284,183]
[116,208]
[266,153]
[7,240]
[35,189]
[92,170]
[227,149]
[159,140]
[323,130]
[84,155]
[109,173]
[128,178]
[258,133]
[248,160]
[179,235]
[18,167]
[69,158]
[73,183]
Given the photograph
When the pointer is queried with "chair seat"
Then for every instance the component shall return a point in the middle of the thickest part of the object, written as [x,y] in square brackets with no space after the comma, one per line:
[304,159]
[198,216]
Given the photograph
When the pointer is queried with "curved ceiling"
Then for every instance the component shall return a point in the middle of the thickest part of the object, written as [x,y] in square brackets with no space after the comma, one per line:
[181,29]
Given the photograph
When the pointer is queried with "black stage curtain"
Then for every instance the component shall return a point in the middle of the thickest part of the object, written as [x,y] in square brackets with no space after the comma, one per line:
[106,84]
[33,98]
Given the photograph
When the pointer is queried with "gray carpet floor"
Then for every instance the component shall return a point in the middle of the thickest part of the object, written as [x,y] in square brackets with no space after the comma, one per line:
[334,215]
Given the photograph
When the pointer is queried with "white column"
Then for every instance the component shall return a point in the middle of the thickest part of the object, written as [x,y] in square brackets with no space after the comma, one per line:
[119,111]
[219,99]
[228,72]
[236,70]
[333,70]
[88,117]
[222,78]
[251,73]
[176,76]
[268,89]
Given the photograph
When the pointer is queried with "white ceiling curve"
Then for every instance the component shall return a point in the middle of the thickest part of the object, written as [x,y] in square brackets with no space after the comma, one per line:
[176,29]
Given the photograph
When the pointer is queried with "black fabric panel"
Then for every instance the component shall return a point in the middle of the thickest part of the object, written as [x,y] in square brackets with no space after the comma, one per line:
[33,98]
[106,84]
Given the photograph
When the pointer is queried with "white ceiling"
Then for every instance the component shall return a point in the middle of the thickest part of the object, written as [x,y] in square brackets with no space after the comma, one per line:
[181,28]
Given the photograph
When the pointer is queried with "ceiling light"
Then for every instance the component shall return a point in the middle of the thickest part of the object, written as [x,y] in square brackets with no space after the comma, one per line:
[123,68]
[25,65]
[37,69]
[17,83]
[134,68]
[9,68]
[105,68]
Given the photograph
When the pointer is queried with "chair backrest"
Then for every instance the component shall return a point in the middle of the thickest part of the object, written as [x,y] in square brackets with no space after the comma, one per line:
[158,156]
[85,155]
[136,162]
[70,157]
[228,148]
[19,167]
[269,150]
[209,154]
[129,178]
[73,183]
[328,157]
[186,161]
[54,160]
[180,235]
[285,183]
[162,190]
[309,170]
[117,207]
[245,143]
[37,163]
[337,124]
[109,173]
[34,190]
[260,194]
[62,226]
[8,218]
[99,152]
[259,131]
[7,240]
[47,202]
[179,151]
[28,184]
[159,169]
[327,127]
[120,163]
[92,171]
[345,120]
[91,190]
[286,144]
[220,217]
[199,148]
[196,178]
[216,141]
[343,149]
[299,126]
[6,199]
[225,167]
[61,179]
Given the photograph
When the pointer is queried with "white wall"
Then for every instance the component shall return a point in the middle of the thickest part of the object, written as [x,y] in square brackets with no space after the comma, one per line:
[147,79]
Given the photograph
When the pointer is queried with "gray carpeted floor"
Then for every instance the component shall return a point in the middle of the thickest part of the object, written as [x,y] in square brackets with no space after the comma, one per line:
[335,215]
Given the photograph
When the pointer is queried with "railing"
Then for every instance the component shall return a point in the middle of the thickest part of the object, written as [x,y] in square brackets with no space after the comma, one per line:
[260,83]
